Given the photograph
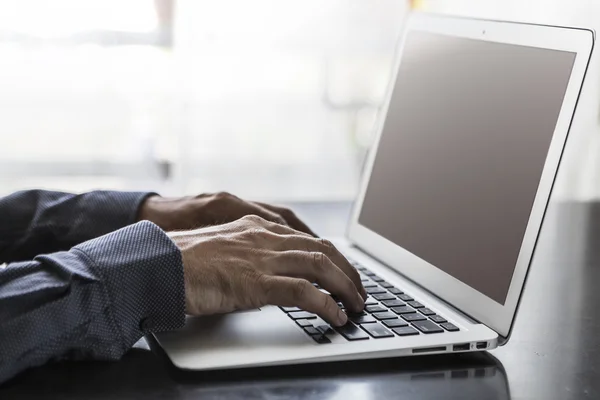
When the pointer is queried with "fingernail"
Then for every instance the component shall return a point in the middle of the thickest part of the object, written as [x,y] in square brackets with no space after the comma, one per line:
[342,317]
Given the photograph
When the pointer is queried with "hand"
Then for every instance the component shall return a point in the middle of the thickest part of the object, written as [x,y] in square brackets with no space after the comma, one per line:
[212,209]
[252,262]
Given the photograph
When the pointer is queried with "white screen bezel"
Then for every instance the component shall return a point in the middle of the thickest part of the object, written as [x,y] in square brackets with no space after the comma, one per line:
[479,306]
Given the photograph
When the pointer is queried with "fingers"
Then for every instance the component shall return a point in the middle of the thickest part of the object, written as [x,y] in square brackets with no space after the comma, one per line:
[289,216]
[293,292]
[324,246]
[317,267]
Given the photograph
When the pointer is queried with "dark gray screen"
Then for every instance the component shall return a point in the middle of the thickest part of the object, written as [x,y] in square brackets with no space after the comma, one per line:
[462,152]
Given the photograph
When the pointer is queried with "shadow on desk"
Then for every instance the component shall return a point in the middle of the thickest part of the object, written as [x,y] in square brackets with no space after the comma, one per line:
[142,375]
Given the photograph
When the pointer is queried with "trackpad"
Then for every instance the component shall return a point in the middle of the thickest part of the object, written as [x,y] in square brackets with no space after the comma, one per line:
[257,328]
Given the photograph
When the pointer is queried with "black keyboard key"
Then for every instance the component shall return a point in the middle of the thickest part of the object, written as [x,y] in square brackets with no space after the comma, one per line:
[369,284]
[377,279]
[377,331]
[405,297]
[302,315]
[362,319]
[438,318]
[412,317]
[321,339]
[415,304]
[375,290]
[303,322]
[426,311]
[394,323]
[370,301]
[311,330]
[386,285]
[385,315]
[352,332]
[449,327]
[383,296]
[392,303]
[403,310]
[427,327]
[395,291]
[369,273]
[290,309]
[405,331]
[325,329]
[375,308]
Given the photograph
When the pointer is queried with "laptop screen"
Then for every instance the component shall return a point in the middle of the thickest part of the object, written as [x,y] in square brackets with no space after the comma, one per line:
[462,151]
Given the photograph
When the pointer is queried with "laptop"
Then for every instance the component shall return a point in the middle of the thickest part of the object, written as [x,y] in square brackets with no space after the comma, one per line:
[450,205]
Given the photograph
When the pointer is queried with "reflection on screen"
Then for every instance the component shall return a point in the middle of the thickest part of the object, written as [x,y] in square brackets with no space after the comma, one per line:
[462,151]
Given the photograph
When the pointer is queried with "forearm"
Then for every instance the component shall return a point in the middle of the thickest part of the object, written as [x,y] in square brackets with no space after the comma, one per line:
[94,301]
[37,222]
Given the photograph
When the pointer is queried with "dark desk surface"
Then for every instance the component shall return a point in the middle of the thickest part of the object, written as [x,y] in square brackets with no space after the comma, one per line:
[554,352]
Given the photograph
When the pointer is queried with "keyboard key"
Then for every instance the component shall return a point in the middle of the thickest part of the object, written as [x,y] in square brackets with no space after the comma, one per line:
[351,332]
[403,310]
[321,339]
[395,291]
[427,327]
[383,296]
[405,331]
[412,317]
[325,329]
[385,315]
[415,304]
[304,322]
[369,284]
[312,330]
[438,318]
[302,315]
[362,319]
[370,301]
[405,297]
[377,331]
[375,290]
[364,279]
[394,323]
[386,285]
[377,279]
[375,308]
[392,303]
[449,327]
[369,273]
[426,311]
[290,309]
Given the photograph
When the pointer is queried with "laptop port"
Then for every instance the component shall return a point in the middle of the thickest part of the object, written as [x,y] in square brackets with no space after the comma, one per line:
[429,349]
[481,345]
[461,347]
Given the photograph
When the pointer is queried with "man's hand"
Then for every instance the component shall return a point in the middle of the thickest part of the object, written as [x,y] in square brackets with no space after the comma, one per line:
[252,262]
[212,209]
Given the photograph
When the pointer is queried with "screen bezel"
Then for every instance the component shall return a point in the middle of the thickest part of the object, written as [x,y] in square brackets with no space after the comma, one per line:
[463,297]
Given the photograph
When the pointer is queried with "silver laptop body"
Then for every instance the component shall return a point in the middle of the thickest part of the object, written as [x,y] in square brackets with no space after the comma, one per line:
[450,207]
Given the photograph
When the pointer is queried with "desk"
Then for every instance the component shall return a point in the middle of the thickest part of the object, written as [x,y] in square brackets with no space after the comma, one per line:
[554,352]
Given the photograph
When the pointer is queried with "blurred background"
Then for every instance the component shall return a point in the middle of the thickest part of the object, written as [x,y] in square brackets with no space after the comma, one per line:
[271,100]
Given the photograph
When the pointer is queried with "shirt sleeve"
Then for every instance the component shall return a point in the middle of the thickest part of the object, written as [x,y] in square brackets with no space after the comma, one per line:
[36,222]
[94,301]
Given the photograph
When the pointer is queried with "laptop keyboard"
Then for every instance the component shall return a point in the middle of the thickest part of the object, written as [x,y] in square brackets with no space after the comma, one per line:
[389,312]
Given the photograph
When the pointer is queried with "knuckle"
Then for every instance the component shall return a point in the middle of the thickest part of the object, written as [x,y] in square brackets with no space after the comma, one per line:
[319,260]
[222,195]
[300,288]
[326,244]
[253,219]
